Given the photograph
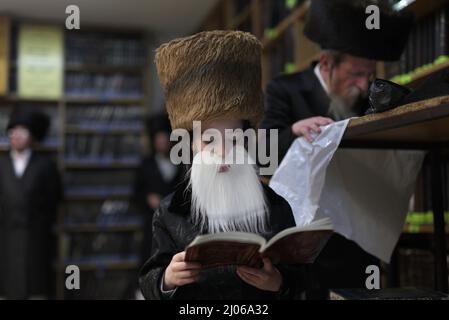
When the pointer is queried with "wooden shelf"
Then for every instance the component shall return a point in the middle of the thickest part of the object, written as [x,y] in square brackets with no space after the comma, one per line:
[96,197]
[242,17]
[420,77]
[421,124]
[103,100]
[74,99]
[93,227]
[422,8]
[5,148]
[13,98]
[297,13]
[91,266]
[73,129]
[421,229]
[98,68]
[98,165]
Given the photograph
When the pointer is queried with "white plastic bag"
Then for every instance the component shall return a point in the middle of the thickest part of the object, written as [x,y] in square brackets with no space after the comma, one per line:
[365,192]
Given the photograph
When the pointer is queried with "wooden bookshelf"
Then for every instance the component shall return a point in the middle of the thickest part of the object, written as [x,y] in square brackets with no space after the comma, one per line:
[418,78]
[307,52]
[242,17]
[421,229]
[103,265]
[13,98]
[5,148]
[102,100]
[109,73]
[103,68]
[114,131]
[95,197]
[93,228]
[98,165]
[297,14]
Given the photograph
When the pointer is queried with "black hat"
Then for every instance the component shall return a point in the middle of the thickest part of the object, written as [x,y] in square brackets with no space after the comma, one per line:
[385,95]
[341,25]
[158,123]
[36,122]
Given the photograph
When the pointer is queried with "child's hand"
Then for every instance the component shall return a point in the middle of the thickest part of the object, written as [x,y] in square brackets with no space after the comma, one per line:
[268,278]
[180,273]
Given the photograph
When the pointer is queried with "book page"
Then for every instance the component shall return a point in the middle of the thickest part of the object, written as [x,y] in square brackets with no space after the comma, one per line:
[321,224]
[298,248]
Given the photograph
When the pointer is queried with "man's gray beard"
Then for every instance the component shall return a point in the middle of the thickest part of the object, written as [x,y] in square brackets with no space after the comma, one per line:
[344,108]
[227,201]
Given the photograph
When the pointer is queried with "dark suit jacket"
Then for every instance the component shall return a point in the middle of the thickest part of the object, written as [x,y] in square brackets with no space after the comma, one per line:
[174,230]
[28,208]
[290,98]
[294,97]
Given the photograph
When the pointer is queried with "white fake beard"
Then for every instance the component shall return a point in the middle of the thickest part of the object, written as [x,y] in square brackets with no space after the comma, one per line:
[227,201]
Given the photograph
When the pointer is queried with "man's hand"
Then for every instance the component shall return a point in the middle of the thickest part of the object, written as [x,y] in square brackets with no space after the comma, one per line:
[268,278]
[306,126]
[180,273]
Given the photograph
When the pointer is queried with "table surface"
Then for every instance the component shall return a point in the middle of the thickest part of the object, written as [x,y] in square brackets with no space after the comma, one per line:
[423,123]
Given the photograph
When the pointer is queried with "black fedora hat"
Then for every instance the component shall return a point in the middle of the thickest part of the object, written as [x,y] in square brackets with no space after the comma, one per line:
[341,25]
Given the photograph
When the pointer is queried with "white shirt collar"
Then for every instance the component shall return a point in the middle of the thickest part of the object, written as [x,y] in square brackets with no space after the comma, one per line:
[317,72]
[20,161]
[166,167]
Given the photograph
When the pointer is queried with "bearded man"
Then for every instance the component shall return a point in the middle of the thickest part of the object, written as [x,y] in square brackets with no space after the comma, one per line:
[215,78]
[331,89]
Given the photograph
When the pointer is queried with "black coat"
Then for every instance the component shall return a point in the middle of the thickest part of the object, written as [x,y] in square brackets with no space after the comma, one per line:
[290,98]
[173,231]
[28,210]
[293,97]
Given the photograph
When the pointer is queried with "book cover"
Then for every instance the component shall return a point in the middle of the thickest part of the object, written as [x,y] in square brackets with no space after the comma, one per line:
[296,245]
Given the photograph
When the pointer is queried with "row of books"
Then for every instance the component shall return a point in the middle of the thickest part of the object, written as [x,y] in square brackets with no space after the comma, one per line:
[101,49]
[105,117]
[416,268]
[274,11]
[282,56]
[102,213]
[104,149]
[92,180]
[103,85]
[428,41]
[422,199]
[82,246]
[4,120]
[97,191]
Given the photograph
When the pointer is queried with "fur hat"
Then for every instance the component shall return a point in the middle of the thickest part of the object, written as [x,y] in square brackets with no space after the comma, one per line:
[36,122]
[340,25]
[211,75]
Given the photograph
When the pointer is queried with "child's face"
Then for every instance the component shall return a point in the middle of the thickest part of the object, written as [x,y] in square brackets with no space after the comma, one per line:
[219,146]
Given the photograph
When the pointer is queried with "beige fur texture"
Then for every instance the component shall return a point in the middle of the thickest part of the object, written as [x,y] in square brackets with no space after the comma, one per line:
[211,75]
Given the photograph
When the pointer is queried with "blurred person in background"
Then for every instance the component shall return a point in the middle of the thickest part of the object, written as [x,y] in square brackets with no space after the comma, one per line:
[30,190]
[156,177]
[334,88]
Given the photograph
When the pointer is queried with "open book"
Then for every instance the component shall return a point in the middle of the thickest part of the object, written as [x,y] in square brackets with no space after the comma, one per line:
[296,245]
